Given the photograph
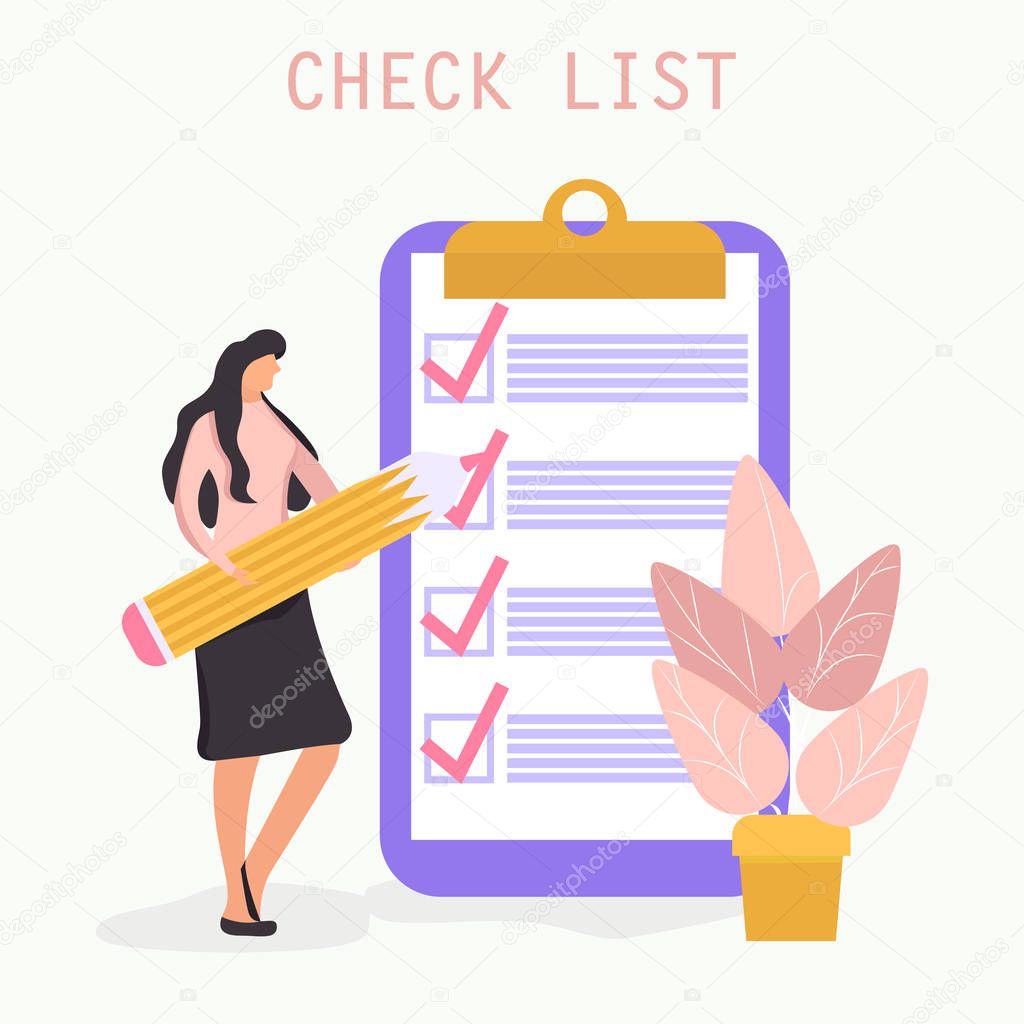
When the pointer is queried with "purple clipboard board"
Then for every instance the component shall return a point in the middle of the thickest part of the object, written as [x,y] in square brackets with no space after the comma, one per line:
[458,867]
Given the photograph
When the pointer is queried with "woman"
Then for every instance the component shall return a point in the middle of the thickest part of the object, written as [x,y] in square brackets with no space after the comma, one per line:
[237,466]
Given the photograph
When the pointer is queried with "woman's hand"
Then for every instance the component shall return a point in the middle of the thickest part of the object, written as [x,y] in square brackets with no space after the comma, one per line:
[227,566]
[350,565]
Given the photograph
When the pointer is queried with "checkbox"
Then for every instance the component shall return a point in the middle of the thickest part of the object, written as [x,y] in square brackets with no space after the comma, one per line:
[451,731]
[451,604]
[480,518]
[451,353]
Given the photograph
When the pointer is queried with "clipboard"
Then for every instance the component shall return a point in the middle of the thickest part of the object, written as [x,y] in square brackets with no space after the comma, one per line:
[550,260]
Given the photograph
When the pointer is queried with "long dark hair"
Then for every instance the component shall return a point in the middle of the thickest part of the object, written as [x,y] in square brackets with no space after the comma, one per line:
[224,399]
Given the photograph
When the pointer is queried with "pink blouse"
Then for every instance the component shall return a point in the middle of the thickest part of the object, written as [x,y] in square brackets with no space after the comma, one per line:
[272,452]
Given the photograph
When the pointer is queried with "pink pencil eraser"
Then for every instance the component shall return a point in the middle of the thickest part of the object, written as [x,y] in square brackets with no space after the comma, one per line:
[144,644]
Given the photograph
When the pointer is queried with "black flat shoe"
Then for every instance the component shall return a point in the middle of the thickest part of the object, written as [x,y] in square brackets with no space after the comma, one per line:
[247,928]
[255,927]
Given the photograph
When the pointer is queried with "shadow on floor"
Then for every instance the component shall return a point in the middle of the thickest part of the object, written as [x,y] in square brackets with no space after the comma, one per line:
[604,918]
[329,918]
[334,918]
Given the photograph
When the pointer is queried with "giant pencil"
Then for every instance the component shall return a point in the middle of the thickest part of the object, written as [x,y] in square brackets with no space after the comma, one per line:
[284,560]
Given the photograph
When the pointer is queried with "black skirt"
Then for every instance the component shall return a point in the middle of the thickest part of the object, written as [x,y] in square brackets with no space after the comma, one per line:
[265,686]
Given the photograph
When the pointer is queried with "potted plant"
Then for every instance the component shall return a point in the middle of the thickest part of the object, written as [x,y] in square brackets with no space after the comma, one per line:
[737,652]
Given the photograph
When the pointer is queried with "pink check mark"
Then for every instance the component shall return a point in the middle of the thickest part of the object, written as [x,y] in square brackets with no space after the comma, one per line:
[458,768]
[482,464]
[459,641]
[458,387]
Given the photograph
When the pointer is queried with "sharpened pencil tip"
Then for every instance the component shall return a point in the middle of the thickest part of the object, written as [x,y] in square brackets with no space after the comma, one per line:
[440,477]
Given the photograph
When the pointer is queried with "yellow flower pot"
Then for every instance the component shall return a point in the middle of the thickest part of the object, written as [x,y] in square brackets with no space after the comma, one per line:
[790,867]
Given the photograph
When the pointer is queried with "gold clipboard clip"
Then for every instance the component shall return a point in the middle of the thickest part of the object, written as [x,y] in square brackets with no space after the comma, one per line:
[623,259]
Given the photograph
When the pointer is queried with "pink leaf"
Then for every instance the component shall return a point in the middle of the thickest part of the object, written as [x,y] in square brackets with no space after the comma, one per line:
[714,639]
[767,568]
[735,760]
[847,773]
[833,654]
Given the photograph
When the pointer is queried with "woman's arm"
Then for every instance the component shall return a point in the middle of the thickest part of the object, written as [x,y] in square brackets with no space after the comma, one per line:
[201,456]
[312,475]
[314,478]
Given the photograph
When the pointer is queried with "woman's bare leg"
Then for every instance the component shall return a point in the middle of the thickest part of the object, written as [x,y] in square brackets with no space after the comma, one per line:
[232,784]
[301,788]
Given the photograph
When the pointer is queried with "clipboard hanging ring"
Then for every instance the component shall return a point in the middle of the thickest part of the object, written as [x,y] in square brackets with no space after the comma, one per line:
[613,203]
[546,259]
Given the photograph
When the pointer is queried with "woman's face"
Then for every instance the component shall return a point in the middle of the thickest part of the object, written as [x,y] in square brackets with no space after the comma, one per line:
[259,374]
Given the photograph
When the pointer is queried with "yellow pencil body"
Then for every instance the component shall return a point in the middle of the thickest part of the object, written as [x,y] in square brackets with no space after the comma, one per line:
[285,560]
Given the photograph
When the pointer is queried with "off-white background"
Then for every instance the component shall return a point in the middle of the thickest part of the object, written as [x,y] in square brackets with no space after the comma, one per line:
[125,268]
